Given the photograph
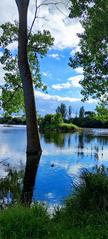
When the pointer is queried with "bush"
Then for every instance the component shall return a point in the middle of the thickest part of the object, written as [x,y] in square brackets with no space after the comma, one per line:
[90,196]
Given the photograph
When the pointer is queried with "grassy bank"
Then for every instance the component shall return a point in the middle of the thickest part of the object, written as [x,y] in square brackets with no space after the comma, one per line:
[84,216]
[62,127]
[67,127]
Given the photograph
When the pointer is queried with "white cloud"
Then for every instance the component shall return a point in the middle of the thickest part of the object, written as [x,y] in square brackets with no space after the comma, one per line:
[55,97]
[8,11]
[61,27]
[55,56]
[62,86]
[71,82]
[75,80]
[47,74]
[79,70]
[74,50]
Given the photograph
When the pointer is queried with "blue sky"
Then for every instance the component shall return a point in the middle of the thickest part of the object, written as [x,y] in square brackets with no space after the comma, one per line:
[62,82]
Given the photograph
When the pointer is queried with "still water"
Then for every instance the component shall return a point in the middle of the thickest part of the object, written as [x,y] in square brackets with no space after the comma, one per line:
[64,156]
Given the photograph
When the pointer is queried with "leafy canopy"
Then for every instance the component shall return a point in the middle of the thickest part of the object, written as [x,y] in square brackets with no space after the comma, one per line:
[101,112]
[93,53]
[38,44]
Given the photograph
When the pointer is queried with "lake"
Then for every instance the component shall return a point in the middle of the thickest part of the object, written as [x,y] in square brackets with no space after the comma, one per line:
[64,156]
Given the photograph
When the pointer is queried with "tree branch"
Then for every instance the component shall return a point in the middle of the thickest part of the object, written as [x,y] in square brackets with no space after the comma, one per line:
[35,16]
[36,10]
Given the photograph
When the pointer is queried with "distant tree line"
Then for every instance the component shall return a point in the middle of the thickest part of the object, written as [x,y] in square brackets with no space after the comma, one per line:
[64,114]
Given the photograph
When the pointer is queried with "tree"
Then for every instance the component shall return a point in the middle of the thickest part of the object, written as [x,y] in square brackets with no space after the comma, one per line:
[33,143]
[69,111]
[12,99]
[62,109]
[51,121]
[57,119]
[93,54]
[101,112]
[81,112]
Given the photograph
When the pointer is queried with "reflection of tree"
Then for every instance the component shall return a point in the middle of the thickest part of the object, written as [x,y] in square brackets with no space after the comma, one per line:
[81,141]
[57,138]
[69,140]
[19,184]
[81,144]
[103,140]
[12,182]
[29,178]
[101,169]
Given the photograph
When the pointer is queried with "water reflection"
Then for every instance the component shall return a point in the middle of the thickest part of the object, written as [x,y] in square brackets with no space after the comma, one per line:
[64,155]
[54,137]
[13,183]
[29,178]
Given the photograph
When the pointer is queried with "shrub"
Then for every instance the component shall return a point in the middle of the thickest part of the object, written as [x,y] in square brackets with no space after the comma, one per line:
[89,201]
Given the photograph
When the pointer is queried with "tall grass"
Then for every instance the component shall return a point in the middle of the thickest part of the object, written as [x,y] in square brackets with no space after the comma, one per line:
[84,215]
[24,223]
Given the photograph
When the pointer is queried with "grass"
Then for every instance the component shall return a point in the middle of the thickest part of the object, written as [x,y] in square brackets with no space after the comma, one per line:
[23,222]
[84,215]
[67,127]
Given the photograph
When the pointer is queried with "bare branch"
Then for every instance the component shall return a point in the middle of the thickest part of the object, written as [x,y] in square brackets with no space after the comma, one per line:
[49,3]
[36,10]
[35,16]
[61,11]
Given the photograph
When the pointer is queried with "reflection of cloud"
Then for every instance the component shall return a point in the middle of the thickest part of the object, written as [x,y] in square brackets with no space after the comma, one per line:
[9,151]
[75,169]
[50,195]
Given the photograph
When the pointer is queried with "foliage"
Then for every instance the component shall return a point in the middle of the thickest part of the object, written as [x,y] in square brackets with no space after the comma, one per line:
[38,45]
[92,193]
[93,53]
[101,112]
[62,109]
[13,120]
[51,120]
[55,122]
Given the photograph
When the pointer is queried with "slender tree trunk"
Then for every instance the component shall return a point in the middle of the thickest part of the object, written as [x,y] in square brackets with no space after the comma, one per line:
[33,143]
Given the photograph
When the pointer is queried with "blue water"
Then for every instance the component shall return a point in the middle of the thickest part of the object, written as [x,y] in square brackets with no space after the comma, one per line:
[63,158]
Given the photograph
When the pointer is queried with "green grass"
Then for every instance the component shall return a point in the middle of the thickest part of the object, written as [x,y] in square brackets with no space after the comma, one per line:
[67,127]
[23,222]
[34,223]
[62,127]
[84,215]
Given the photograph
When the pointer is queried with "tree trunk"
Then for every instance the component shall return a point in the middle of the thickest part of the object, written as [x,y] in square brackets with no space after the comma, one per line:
[33,143]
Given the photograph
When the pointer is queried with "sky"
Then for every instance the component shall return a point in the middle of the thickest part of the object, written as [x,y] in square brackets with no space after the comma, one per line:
[61,80]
